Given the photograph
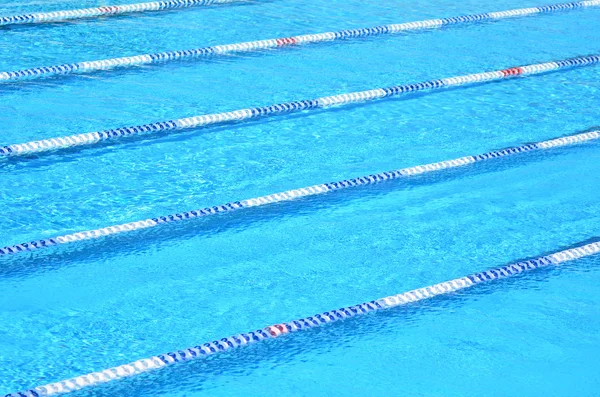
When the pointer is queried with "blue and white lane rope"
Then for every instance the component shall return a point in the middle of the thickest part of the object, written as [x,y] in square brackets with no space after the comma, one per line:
[92,138]
[146,59]
[318,320]
[296,194]
[69,15]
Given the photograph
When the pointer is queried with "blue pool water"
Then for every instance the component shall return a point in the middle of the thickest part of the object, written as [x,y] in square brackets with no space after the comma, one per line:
[94,305]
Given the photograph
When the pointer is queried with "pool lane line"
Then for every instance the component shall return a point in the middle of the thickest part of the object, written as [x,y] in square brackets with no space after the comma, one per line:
[159,128]
[85,13]
[296,194]
[251,46]
[318,320]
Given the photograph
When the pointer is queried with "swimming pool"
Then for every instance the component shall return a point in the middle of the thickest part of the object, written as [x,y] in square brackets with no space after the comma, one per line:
[76,308]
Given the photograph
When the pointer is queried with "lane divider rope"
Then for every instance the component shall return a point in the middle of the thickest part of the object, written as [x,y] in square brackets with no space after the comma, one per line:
[146,59]
[83,13]
[92,138]
[297,193]
[277,330]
